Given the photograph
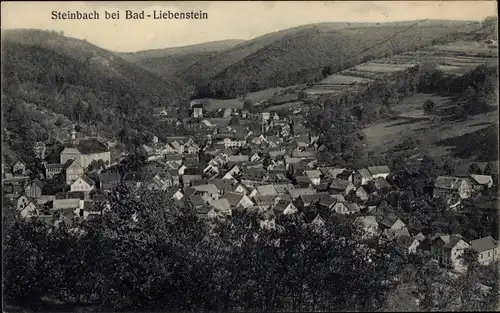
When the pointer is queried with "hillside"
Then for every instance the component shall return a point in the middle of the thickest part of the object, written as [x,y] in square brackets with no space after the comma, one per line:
[213,46]
[52,81]
[300,55]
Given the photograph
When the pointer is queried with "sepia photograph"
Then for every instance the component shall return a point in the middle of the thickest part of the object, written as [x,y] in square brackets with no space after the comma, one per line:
[250,156]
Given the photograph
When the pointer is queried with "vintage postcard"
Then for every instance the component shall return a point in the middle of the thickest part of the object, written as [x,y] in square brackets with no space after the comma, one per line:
[243,156]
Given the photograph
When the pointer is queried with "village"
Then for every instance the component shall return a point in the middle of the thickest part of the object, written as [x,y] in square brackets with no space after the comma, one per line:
[243,161]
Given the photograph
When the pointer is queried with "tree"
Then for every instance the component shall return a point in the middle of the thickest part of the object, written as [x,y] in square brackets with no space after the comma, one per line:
[248,104]
[429,106]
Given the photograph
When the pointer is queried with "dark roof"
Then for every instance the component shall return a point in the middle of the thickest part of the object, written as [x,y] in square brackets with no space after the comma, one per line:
[338,184]
[89,146]
[233,198]
[484,244]
[109,177]
[327,201]
[196,200]
[389,220]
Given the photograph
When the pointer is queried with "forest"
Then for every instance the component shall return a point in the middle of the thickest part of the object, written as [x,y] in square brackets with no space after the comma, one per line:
[148,254]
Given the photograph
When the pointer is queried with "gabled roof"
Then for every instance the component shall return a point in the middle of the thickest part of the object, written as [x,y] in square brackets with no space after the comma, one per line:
[220,204]
[484,244]
[196,200]
[353,207]
[338,184]
[66,204]
[233,198]
[297,192]
[313,198]
[266,190]
[264,200]
[446,182]
[327,202]
[389,220]
[88,180]
[481,179]
[365,173]
[376,170]
[281,205]
[209,188]
[405,241]
[90,146]
[381,183]
[312,174]
[36,182]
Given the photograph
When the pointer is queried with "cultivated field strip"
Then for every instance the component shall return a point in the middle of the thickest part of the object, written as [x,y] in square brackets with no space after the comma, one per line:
[455,58]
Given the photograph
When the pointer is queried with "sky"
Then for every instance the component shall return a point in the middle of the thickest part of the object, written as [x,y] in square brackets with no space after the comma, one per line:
[226,20]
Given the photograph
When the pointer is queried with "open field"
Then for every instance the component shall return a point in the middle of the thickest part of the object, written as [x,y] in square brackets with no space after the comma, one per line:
[468,140]
[264,94]
[290,106]
[215,104]
[384,68]
[456,58]
[336,79]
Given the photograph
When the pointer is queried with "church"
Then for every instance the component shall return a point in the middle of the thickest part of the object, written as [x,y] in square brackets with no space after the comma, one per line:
[85,150]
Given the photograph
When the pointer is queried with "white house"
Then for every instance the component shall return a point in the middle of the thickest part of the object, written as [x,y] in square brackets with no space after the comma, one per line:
[84,184]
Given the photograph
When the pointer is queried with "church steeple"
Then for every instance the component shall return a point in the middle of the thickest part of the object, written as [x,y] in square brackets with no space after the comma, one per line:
[73,135]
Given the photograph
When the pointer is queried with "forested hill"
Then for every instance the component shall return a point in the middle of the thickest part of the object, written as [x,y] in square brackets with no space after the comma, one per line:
[51,81]
[33,54]
[300,56]
[207,47]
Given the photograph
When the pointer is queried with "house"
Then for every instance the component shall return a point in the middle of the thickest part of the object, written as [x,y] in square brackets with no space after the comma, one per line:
[187,179]
[305,201]
[327,203]
[314,176]
[177,195]
[173,176]
[173,147]
[341,186]
[265,202]
[26,207]
[156,183]
[340,207]
[197,110]
[33,189]
[67,204]
[52,170]
[297,192]
[220,208]
[481,182]
[446,186]
[487,249]
[365,176]
[369,224]
[209,189]
[379,171]
[73,171]
[318,221]
[238,200]
[85,151]
[284,208]
[84,184]
[448,250]
[267,190]
[393,226]
[191,148]
[19,168]
[361,194]
[108,181]
[407,244]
